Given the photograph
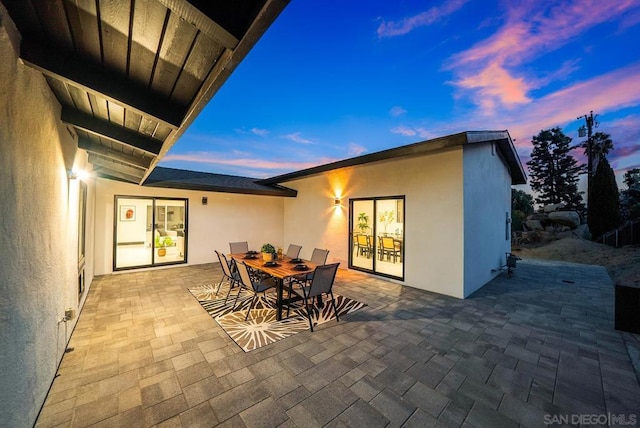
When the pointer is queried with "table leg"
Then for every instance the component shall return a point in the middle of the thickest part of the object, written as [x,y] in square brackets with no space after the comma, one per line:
[279,287]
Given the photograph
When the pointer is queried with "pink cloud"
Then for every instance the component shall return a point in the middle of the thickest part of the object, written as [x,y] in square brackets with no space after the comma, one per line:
[297,138]
[404,130]
[488,68]
[406,25]
[608,92]
[356,149]
[494,84]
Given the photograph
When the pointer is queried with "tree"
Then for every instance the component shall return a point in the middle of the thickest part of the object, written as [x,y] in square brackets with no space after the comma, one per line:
[554,172]
[601,145]
[521,207]
[521,201]
[605,213]
[630,197]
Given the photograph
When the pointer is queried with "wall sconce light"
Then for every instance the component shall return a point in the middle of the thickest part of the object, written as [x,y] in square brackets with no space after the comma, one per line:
[336,202]
[205,200]
[77,174]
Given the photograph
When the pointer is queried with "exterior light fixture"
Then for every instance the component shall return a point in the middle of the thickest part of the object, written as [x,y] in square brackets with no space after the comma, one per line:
[74,174]
[205,200]
[336,201]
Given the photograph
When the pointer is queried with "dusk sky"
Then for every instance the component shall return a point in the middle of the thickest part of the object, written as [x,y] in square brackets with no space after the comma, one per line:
[331,80]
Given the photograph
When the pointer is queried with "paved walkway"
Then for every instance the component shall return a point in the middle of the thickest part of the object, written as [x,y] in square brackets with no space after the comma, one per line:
[536,348]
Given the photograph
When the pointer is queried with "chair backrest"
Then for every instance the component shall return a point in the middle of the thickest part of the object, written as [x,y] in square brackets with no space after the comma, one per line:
[363,241]
[387,242]
[323,278]
[239,247]
[244,275]
[294,251]
[224,263]
[319,256]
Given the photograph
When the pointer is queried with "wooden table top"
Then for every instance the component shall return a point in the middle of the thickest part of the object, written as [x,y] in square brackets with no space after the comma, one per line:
[285,268]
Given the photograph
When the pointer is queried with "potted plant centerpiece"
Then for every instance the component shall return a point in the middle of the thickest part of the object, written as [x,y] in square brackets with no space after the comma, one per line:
[162,242]
[268,252]
[386,217]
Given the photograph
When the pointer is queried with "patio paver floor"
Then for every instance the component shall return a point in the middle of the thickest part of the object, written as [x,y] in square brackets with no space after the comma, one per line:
[522,351]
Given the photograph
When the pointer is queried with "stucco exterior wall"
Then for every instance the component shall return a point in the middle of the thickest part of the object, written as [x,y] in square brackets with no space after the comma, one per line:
[487,205]
[433,225]
[38,255]
[226,218]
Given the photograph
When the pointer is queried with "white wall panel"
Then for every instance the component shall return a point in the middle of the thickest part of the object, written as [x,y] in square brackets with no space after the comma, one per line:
[487,199]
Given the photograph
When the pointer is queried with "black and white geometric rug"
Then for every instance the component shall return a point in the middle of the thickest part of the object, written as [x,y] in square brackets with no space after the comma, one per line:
[262,328]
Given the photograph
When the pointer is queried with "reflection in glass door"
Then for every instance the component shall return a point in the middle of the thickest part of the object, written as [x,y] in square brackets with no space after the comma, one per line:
[149,232]
[362,254]
[377,235]
[168,231]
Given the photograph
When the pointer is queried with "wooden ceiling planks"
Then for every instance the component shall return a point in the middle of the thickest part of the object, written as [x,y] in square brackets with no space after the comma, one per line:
[53,19]
[83,24]
[176,45]
[196,69]
[146,35]
[115,17]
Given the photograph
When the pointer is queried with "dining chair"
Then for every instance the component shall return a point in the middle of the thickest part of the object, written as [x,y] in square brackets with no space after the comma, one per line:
[253,285]
[239,247]
[227,274]
[363,246]
[294,251]
[318,257]
[389,248]
[322,283]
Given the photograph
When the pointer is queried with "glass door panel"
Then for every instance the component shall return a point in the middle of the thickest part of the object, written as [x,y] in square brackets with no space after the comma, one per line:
[133,238]
[362,248]
[389,237]
[169,236]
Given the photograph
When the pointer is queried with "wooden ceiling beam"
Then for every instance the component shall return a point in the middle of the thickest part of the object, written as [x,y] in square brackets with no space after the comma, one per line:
[96,80]
[110,131]
[111,174]
[104,162]
[92,147]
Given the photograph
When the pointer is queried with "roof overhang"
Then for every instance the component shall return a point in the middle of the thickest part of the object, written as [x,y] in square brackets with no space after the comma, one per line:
[172,178]
[132,75]
[502,139]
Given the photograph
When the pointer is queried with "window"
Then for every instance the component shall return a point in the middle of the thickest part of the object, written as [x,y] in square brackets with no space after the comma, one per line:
[377,235]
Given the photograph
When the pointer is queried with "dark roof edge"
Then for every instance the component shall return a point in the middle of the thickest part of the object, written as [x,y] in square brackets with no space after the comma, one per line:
[275,191]
[503,139]
[396,152]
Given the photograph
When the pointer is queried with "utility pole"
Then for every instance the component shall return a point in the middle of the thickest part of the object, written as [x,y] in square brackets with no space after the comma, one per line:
[590,123]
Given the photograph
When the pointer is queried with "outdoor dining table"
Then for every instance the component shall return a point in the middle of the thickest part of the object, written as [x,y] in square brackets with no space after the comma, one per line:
[285,268]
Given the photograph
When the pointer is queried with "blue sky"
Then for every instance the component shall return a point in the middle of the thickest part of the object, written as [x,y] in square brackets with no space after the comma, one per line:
[331,80]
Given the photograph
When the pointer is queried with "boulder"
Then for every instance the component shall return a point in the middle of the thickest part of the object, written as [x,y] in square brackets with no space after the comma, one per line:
[533,225]
[583,232]
[565,218]
[538,216]
[552,207]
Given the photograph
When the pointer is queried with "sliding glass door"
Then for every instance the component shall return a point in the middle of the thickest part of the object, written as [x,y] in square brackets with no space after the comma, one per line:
[149,232]
[377,235]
